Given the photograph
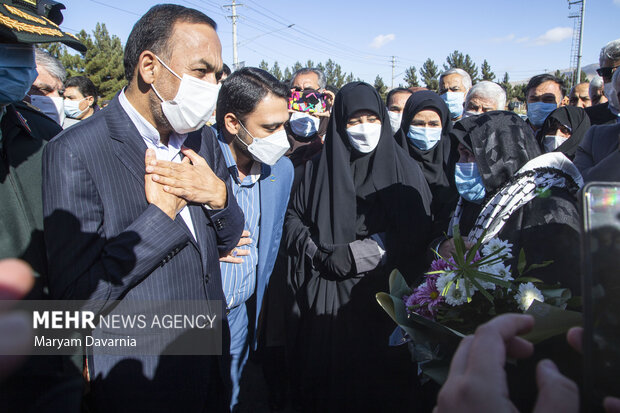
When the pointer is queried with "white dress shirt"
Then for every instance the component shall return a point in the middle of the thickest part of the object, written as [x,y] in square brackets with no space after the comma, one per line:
[171,153]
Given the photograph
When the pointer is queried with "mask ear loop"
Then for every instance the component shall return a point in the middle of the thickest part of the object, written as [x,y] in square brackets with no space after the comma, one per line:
[246,131]
[170,70]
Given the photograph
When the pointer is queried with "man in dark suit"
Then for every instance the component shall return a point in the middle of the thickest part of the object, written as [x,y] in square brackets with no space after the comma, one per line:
[596,156]
[117,231]
[609,61]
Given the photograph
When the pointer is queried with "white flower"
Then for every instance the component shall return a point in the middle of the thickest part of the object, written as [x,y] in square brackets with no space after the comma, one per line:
[495,244]
[527,294]
[457,296]
[487,285]
[443,280]
[499,270]
[503,271]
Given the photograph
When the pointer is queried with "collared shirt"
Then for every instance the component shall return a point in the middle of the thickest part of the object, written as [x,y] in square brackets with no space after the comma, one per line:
[239,280]
[171,153]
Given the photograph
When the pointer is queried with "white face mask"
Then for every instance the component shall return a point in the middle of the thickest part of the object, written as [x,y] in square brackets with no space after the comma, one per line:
[395,119]
[267,150]
[193,104]
[364,137]
[304,124]
[553,142]
[52,106]
[72,108]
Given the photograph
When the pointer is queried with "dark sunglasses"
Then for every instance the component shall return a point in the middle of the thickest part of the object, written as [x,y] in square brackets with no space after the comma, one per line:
[606,71]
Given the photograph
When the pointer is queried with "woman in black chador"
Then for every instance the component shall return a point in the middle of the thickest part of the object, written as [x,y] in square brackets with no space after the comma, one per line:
[362,209]
[509,190]
[424,134]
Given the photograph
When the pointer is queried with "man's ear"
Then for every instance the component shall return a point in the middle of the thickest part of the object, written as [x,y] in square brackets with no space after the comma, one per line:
[148,67]
[231,124]
[91,101]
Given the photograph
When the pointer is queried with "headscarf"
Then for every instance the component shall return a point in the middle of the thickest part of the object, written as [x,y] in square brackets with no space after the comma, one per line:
[576,120]
[501,142]
[343,177]
[434,162]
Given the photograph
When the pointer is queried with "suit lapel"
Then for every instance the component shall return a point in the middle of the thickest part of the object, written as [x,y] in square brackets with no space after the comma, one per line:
[130,147]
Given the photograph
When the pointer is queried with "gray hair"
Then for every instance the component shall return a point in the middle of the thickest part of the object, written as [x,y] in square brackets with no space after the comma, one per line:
[306,70]
[610,51]
[465,78]
[615,81]
[596,82]
[51,64]
[488,90]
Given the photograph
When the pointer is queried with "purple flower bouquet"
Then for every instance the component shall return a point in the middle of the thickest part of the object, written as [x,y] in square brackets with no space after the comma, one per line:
[462,292]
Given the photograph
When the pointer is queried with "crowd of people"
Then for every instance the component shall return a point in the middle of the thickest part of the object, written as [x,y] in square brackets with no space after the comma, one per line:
[289,203]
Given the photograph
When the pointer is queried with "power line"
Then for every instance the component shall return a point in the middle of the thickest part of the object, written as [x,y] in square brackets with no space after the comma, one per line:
[115,8]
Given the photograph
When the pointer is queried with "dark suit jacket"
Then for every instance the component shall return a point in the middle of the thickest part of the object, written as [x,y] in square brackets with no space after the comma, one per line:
[105,242]
[600,114]
[600,141]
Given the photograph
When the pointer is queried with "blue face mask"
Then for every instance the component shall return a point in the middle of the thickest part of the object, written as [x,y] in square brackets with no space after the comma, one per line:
[424,138]
[454,100]
[469,182]
[18,71]
[537,112]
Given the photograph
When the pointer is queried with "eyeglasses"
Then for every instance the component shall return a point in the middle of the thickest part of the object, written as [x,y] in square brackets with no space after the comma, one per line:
[606,71]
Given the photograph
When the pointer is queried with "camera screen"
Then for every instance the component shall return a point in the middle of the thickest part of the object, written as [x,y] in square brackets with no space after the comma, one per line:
[602,305]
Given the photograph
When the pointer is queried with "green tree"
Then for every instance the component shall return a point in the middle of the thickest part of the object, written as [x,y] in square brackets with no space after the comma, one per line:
[334,74]
[287,74]
[263,65]
[275,70]
[296,67]
[310,63]
[487,74]
[518,92]
[507,86]
[583,78]
[430,74]
[411,77]
[381,87]
[104,62]
[350,78]
[565,79]
[458,59]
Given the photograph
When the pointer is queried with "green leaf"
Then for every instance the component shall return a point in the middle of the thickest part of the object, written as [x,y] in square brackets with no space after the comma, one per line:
[398,285]
[550,321]
[528,280]
[521,264]
[488,277]
[481,289]
[536,266]
[459,246]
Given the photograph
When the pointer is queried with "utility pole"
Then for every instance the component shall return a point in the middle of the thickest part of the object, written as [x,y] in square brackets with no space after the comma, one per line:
[393,66]
[576,51]
[234,17]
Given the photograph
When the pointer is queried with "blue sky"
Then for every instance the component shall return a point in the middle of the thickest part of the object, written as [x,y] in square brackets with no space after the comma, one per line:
[523,37]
